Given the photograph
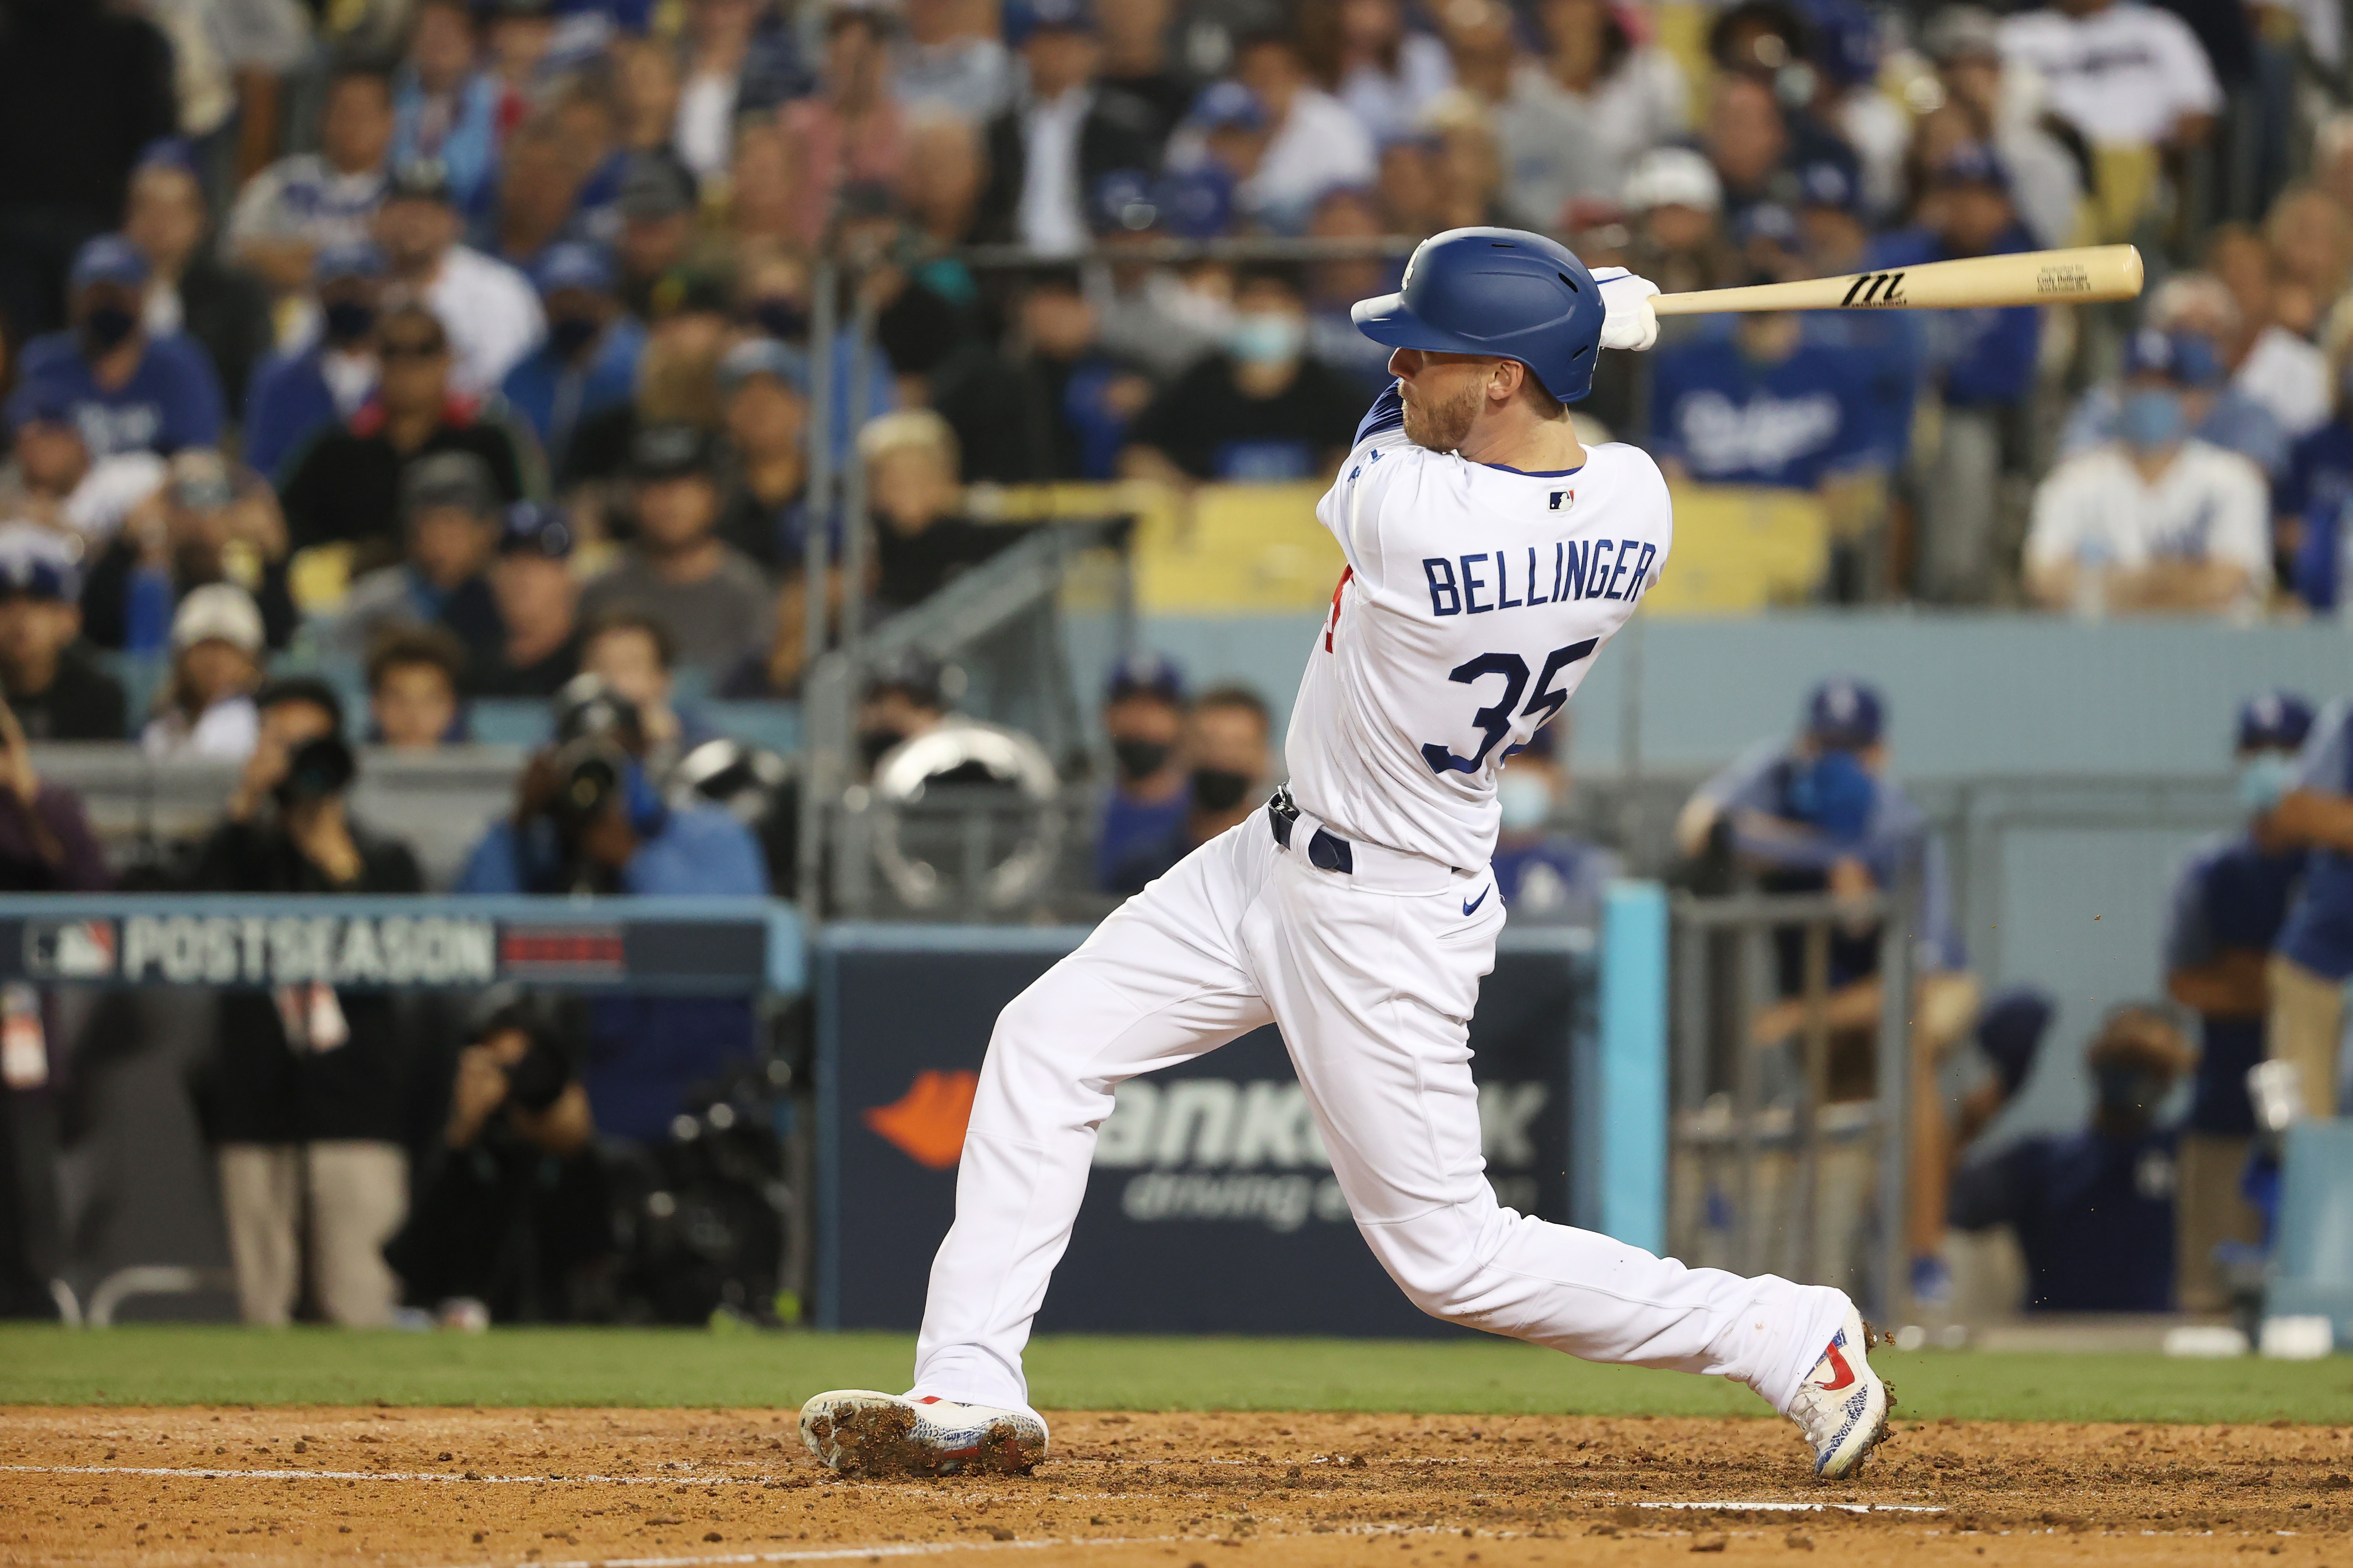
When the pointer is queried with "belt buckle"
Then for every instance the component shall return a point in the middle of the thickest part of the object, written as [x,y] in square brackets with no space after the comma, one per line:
[1282,811]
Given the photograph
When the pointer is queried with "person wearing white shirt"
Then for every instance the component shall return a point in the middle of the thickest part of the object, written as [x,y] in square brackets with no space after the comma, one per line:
[1314,143]
[1361,52]
[2045,183]
[1581,116]
[2122,73]
[2156,520]
[2275,366]
[489,310]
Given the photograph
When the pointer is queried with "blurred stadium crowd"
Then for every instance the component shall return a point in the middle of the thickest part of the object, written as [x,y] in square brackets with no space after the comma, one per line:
[469,351]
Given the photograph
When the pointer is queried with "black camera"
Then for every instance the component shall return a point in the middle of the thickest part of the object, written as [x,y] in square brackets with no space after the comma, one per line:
[319,768]
[589,772]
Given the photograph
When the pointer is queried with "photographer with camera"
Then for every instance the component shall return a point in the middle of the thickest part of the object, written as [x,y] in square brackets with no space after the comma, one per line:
[589,821]
[512,1221]
[308,1085]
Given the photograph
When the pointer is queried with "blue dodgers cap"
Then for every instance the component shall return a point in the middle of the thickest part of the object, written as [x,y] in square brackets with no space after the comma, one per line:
[1195,204]
[339,262]
[1973,164]
[36,564]
[109,258]
[1499,292]
[765,356]
[1146,675]
[1227,106]
[2009,1031]
[40,402]
[1826,182]
[2275,720]
[1844,715]
[1024,19]
[536,528]
[2187,359]
[574,264]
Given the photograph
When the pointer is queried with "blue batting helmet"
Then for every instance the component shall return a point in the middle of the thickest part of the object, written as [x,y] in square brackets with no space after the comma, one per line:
[1498,291]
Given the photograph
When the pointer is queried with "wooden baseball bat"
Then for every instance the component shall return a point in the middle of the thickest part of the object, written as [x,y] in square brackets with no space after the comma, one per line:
[2084,274]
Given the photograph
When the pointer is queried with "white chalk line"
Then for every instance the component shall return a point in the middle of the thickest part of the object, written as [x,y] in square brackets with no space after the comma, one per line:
[1801,1506]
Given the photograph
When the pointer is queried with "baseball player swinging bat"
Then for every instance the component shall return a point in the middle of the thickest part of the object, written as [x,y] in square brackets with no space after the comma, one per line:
[1490,556]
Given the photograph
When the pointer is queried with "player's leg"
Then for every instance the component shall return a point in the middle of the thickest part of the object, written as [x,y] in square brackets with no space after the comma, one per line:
[1157,984]
[1373,994]
[2305,1026]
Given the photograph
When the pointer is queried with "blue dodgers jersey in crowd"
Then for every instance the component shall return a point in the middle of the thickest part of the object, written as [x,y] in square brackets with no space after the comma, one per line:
[2229,895]
[172,400]
[1980,357]
[1732,421]
[2318,934]
[2318,489]
[1895,350]
[2094,1216]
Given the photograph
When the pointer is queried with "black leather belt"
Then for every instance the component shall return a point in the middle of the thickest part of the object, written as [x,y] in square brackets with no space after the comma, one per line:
[1327,851]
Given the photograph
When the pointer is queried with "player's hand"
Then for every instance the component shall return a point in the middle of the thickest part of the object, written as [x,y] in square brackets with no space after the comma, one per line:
[1629,324]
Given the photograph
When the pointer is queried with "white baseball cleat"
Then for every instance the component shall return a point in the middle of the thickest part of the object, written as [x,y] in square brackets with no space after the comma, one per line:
[1842,1407]
[857,1431]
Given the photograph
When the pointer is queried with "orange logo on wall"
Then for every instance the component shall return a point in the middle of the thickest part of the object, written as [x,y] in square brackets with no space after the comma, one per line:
[927,1122]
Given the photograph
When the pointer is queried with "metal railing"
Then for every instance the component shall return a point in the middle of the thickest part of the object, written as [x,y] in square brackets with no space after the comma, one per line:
[1753,1125]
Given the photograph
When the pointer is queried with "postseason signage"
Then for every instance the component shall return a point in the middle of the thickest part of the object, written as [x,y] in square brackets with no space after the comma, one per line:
[383,944]
[1211,1207]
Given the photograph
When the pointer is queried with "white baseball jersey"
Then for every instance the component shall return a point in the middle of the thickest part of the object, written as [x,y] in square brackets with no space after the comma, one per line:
[1474,600]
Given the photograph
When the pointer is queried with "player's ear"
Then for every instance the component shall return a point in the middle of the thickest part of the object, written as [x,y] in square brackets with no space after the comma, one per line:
[1504,380]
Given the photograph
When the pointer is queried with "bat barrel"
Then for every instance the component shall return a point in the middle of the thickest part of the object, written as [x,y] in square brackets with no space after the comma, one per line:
[2084,274]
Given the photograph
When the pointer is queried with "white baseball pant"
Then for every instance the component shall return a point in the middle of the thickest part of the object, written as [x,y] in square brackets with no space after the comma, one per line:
[1372,976]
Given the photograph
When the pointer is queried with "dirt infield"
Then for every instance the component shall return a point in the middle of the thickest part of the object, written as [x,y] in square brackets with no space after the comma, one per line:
[243,1488]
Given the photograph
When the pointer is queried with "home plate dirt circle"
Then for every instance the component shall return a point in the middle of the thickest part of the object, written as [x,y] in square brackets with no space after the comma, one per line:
[681,1488]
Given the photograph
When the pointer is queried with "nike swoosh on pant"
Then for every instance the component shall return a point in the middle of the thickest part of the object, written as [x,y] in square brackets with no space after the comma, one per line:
[1470,904]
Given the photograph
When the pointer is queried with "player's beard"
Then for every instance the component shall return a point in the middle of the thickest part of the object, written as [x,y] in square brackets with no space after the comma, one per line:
[1443,425]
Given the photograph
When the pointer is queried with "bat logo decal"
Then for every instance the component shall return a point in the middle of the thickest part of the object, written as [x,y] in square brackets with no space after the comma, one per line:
[1874,289]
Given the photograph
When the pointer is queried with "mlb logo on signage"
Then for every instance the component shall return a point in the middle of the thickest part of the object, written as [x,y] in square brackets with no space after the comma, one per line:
[69,950]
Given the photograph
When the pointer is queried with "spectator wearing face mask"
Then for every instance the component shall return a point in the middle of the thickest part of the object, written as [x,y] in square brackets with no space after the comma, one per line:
[2156,520]
[1824,813]
[1258,410]
[1544,873]
[2229,903]
[297,394]
[126,391]
[2094,1210]
[1144,717]
[1229,762]
[2223,412]
[589,362]
[54,688]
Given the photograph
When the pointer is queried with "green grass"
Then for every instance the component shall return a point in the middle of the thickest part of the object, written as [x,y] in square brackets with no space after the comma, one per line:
[159,1365]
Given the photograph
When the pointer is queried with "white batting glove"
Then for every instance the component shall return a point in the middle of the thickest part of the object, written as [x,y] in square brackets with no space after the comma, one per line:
[1631,323]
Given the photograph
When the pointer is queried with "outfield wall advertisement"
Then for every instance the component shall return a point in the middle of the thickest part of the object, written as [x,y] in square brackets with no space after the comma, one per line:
[1212,1207]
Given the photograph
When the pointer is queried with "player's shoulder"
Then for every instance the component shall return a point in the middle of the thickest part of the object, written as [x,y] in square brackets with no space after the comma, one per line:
[1625,467]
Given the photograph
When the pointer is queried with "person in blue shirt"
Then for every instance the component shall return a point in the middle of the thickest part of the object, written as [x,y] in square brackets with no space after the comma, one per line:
[1980,364]
[1545,874]
[1835,239]
[1764,406]
[443,106]
[128,392]
[2309,501]
[2094,1210]
[297,394]
[2229,904]
[588,820]
[588,361]
[1822,813]
[1144,715]
[2312,956]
